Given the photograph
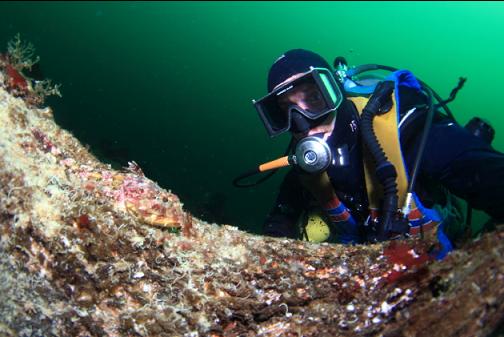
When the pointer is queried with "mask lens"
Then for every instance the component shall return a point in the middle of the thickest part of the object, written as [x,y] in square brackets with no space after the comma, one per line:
[274,117]
[304,97]
[314,94]
[333,92]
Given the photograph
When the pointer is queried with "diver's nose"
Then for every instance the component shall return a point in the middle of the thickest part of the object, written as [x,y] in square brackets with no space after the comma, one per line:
[299,124]
[302,104]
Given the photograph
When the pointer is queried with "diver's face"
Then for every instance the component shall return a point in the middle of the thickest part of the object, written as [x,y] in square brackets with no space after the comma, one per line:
[307,97]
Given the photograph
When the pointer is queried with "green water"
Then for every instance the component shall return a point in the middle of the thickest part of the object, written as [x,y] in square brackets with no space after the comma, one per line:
[169,84]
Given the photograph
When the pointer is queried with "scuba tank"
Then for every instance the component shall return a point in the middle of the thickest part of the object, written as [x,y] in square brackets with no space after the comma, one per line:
[314,227]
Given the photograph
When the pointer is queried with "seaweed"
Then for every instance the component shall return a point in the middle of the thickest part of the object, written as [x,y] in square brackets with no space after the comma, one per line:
[15,62]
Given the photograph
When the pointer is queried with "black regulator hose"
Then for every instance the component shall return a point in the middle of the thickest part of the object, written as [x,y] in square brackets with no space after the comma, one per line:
[385,170]
[237,181]
[441,103]
[423,141]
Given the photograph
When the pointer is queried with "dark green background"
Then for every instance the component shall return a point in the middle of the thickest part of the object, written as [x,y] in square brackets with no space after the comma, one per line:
[169,84]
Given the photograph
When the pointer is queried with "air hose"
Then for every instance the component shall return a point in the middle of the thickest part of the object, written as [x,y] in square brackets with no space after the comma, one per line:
[385,170]
[421,150]
[237,181]
[312,155]
[441,103]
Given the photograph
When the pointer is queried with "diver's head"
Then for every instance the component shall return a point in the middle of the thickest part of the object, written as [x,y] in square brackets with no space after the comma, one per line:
[293,62]
[302,95]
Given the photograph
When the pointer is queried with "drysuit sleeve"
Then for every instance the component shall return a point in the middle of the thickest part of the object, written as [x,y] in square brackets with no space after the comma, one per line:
[283,218]
[466,165]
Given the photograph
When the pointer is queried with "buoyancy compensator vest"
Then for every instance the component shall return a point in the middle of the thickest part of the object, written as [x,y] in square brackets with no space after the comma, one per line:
[388,180]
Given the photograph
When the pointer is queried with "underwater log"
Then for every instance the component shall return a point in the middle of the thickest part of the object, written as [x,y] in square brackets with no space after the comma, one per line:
[86,250]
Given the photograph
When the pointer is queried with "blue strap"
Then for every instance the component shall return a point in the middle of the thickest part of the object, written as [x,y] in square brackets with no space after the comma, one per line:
[347,230]
[446,245]
[403,78]
[400,77]
[350,87]
[428,212]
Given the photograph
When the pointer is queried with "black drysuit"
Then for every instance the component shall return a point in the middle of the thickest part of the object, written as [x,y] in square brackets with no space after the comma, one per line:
[454,158]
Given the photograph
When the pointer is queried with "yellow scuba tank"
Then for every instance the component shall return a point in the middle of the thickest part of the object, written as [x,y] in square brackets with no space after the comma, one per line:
[314,227]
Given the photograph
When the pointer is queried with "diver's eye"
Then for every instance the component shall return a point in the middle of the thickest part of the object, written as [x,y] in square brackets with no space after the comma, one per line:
[314,96]
[283,103]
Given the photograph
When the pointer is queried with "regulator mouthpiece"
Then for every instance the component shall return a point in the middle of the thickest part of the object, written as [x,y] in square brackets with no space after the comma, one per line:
[312,155]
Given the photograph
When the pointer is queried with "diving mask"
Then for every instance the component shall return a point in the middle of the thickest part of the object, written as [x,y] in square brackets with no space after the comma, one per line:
[313,95]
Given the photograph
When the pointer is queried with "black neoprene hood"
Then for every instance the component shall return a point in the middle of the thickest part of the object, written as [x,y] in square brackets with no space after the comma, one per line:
[293,62]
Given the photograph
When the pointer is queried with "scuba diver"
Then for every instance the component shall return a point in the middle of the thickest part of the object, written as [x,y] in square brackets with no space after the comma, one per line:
[372,159]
